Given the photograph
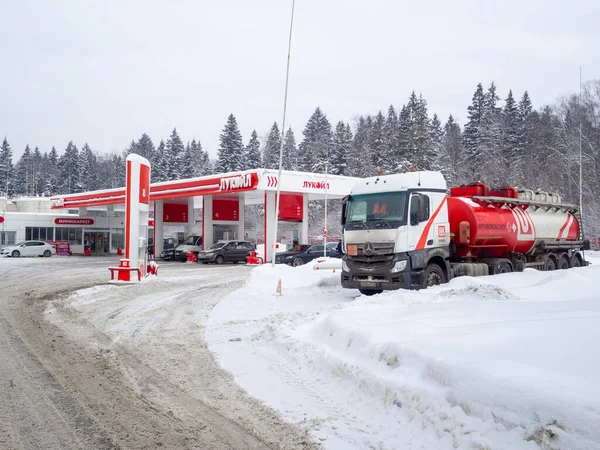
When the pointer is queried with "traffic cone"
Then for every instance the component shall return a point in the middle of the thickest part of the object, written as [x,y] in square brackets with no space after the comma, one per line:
[278,291]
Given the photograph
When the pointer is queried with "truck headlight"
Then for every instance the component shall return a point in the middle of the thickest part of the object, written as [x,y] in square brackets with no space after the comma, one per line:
[345,266]
[399,266]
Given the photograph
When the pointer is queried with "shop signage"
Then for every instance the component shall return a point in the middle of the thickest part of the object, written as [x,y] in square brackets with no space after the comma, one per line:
[73,221]
[316,185]
[236,182]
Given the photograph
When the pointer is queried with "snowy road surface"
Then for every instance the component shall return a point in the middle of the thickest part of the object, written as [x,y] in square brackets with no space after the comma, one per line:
[503,362]
[121,366]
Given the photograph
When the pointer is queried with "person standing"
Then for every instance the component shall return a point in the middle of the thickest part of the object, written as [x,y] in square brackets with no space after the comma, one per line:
[340,247]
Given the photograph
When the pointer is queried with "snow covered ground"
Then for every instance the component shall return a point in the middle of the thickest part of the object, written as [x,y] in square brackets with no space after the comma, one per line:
[503,362]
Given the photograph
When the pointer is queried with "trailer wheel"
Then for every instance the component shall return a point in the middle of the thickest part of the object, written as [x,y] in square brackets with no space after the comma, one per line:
[433,276]
[505,267]
[577,261]
[549,264]
[564,262]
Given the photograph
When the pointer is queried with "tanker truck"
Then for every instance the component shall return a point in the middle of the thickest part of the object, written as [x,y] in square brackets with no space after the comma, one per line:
[409,231]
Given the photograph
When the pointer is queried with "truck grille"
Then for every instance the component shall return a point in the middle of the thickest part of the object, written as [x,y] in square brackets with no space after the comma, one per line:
[376,249]
[371,261]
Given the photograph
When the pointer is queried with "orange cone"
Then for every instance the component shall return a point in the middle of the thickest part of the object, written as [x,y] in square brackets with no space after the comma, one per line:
[278,291]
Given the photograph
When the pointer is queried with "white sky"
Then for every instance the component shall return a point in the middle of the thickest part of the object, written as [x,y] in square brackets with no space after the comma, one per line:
[106,72]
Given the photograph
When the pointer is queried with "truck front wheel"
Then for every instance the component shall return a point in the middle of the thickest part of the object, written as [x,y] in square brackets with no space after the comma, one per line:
[370,291]
[433,275]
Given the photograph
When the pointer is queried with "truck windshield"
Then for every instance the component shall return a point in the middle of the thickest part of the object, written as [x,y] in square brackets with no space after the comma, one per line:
[382,210]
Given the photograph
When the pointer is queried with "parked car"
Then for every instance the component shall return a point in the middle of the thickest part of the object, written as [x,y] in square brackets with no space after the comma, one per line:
[29,248]
[168,243]
[226,251]
[193,243]
[304,254]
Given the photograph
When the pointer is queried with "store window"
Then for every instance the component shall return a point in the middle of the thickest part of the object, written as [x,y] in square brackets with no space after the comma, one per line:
[39,233]
[117,239]
[8,238]
[74,236]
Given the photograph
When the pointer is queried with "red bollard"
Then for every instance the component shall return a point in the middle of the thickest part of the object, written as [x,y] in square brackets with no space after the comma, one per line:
[191,257]
[87,252]
[119,251]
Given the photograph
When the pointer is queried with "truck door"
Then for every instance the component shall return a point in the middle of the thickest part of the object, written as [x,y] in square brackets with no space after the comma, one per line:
[428,228]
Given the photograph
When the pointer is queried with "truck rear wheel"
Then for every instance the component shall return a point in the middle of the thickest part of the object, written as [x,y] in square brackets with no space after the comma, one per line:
[549,264]
[433,275]
[577,261]
[563,262]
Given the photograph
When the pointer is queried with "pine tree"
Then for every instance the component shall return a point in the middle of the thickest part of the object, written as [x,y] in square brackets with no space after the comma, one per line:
[187,170]
[453,159]
[272,148]
[436,134]
[291,159]
[402,161]
[472,138]
[6,169]
[360,158]
[174,156]
[159,170]
[381,157]
[252,159]
[50,173]
[231,150]
[87,170]
[315,148]
[511,128]
[37,187]
[23,173]
[68,165]
[145,147]
[392,139]
[342,140]
[423,155]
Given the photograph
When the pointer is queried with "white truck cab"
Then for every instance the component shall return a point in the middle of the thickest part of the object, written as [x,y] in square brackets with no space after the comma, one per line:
[393,226]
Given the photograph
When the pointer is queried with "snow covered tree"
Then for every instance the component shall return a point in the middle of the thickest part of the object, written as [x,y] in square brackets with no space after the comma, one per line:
[230,156]
[315,148]
[37,185]
[159,170]
[23,173]
[453,159]
[187,169]
[174,156]
[471,135]
[252,159]
[291,160]
[342,140]
[272,147]
[380,156]
[68,167]
[145,147]
[422,154]
[6,169]
[360,161]
[50,173]
[436,134]
[511,127]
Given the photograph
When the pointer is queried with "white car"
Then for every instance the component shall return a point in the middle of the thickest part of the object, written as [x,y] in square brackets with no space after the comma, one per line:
[29,248]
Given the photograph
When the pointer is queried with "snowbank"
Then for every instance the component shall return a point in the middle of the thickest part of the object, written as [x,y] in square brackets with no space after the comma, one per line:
[507,361]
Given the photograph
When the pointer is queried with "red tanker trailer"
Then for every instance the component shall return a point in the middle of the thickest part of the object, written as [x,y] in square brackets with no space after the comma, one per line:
[406,231]
[525,228]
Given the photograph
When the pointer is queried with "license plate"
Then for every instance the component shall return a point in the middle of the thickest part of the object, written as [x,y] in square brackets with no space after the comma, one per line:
[368,284]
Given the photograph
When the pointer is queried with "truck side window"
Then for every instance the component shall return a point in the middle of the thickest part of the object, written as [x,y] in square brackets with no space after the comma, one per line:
[423,208]
[419,208]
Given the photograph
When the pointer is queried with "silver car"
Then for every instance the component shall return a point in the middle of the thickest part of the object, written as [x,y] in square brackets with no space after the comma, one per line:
[29,248]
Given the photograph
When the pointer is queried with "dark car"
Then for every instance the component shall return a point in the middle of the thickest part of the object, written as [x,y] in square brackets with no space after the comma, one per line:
[227,251]
[193,243]
[168,252]
[304,254]
[168,243]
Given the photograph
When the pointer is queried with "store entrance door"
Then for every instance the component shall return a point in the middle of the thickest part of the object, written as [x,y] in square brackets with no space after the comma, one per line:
[97,242]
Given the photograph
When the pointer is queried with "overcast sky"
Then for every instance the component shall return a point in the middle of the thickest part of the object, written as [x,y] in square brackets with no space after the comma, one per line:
[104,72]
